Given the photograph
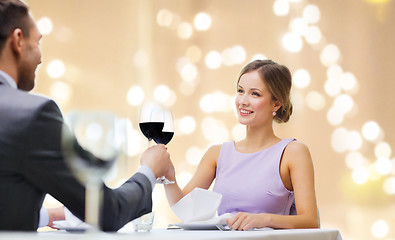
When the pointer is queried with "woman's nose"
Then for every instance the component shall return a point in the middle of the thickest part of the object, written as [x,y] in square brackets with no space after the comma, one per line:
[243,100]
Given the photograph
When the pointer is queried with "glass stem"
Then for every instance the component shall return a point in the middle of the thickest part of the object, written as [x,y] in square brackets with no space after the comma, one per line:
[93,204]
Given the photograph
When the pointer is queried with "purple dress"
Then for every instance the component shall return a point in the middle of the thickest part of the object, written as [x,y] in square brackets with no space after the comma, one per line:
[251,182]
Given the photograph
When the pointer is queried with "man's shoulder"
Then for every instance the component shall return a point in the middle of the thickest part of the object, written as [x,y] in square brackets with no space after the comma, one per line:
[24,99]
[20,103]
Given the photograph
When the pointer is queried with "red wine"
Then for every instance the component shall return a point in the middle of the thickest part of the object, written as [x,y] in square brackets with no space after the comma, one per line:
[151,129]
[164,137]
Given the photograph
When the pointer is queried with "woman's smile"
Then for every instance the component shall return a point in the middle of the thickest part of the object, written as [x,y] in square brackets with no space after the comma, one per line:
[244,112]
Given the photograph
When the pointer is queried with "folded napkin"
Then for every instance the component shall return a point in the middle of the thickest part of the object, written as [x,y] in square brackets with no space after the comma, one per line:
[70,222]
[200,205]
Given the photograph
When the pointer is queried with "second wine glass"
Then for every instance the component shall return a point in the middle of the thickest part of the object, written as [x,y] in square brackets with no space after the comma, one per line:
[90,149]
[165,137]
[156,123]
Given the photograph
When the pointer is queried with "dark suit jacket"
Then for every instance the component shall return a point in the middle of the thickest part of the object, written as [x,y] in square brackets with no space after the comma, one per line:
[31,165]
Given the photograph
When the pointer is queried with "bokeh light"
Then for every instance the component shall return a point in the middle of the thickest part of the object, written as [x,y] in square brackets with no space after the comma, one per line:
[194,54]
[61,91]
[334,116]
[371,131]
[301,78]
[188,71]
[135,95]
[214,130]
[383,150]
[292,42]
[343,103]
[315,100]
[193,155]
[134,143]
[141,58]
[184,30]
[258,56]
[234,55]
[313,35]
[281,7]
[332,87]
[299,26]
[355,159]
[56,68]
[383,166]
[217,101]
[389,186]
[349,83]
[340,139]
[360,175]
[238,132]
[380,229]
[213,60]
[186,125]
[202,21]
[311,13]
[44,25]
[164,18]
[330,55]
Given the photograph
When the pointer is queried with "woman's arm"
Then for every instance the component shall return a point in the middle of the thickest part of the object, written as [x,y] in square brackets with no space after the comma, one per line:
[297,170]
[203,177]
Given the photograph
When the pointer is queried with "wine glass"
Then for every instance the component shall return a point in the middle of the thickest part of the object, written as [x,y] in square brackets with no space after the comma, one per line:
[156,124]
[152,120]
[90,148]
[165,137]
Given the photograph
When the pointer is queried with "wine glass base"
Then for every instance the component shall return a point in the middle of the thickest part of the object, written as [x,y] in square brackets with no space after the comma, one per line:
[163,180]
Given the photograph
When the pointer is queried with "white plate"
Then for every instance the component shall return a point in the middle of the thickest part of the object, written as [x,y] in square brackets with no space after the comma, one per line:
[73,229]
[192,226]
[64,225]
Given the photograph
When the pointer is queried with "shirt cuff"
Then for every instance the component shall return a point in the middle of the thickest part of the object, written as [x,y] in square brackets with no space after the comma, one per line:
[44,218]
[149,174]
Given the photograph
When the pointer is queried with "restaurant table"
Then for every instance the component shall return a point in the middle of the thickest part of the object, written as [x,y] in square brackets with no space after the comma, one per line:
[163,234]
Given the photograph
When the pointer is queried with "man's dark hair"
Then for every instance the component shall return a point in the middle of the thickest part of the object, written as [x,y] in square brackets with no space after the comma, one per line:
[13,14]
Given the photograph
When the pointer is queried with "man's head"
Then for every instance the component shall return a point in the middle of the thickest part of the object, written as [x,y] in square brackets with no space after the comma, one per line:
[19,41]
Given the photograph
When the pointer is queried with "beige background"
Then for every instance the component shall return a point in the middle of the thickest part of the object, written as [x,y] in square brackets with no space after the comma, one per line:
[98,39]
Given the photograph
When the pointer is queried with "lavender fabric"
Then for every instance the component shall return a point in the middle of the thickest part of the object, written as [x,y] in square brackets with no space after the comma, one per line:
[251,182]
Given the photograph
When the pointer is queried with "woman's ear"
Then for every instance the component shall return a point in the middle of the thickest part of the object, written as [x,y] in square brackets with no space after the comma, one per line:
[277,105]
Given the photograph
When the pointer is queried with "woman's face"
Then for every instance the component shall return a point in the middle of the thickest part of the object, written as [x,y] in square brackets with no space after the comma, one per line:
[254,102]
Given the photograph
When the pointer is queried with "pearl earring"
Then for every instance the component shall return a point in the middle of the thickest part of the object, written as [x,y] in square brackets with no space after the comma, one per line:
[274,114]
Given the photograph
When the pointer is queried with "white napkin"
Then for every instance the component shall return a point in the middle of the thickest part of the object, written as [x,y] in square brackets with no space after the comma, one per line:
[200,205]
[70,222]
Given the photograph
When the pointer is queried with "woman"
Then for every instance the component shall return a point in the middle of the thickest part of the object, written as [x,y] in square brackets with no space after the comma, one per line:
[262,178]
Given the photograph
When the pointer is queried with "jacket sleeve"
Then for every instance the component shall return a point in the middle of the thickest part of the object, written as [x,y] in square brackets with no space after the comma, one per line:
[46,169]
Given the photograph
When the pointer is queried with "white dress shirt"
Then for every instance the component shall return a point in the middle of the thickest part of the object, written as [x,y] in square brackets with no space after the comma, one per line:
[9,79]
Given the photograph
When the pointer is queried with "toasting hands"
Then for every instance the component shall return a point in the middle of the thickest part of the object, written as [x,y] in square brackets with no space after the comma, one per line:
[158,159]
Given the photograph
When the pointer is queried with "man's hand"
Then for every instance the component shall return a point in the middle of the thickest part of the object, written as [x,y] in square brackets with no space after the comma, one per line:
[158,159]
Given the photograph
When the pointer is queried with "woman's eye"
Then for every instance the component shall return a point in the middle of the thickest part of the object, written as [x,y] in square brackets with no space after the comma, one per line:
[256,94]
[240,91]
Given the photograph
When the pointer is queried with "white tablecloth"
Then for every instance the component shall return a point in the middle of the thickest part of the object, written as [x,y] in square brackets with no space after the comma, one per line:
[162,234]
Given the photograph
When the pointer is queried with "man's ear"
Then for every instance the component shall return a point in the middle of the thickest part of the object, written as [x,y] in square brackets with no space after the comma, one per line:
[16,41]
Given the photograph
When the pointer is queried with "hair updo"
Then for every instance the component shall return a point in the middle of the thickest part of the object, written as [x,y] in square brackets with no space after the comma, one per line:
[278,80]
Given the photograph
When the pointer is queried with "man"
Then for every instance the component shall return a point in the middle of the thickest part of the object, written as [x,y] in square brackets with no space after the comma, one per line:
[31,161]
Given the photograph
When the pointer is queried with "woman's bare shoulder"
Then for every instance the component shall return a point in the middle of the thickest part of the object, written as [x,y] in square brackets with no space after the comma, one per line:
[297,147]
[213,150]
[297,152]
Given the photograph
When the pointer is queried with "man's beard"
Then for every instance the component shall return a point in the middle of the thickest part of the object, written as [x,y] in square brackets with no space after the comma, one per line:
[25,80]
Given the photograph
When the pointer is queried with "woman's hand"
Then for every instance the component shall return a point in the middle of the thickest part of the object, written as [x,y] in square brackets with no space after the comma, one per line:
[171,174]
[55,214]
[245,221]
